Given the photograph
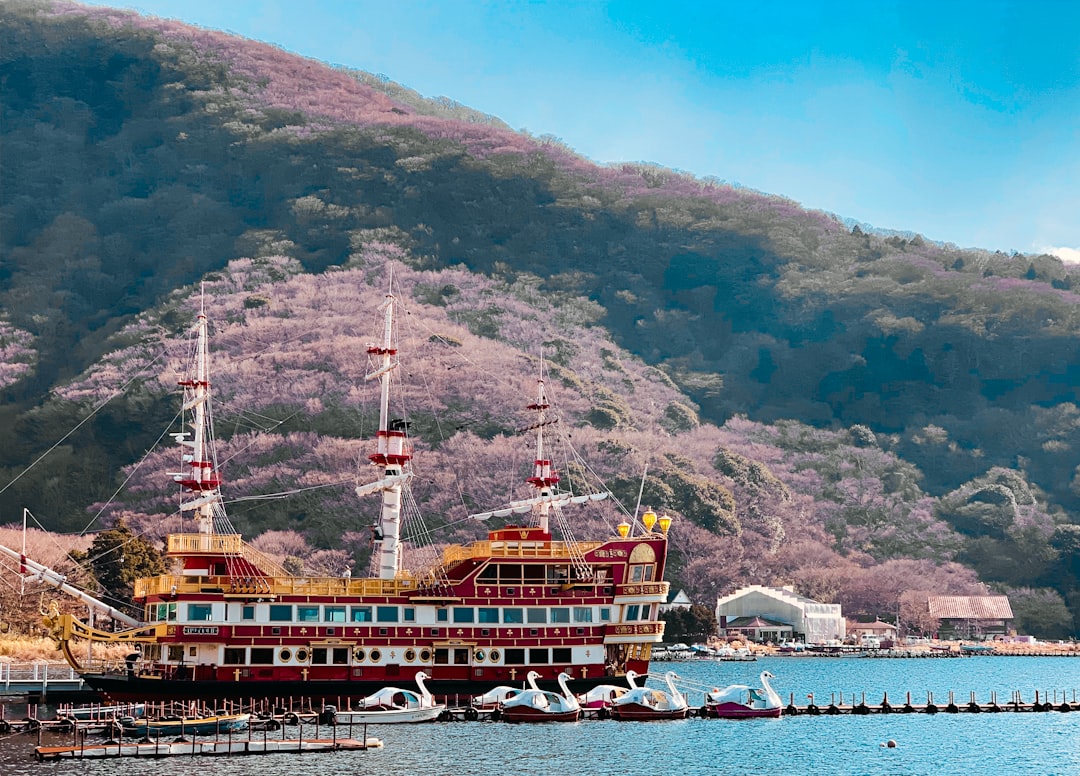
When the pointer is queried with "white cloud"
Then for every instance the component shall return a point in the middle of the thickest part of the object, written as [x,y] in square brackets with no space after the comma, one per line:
[1067,255]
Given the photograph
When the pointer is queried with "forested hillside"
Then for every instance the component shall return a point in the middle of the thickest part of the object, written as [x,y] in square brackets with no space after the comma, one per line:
[862,416]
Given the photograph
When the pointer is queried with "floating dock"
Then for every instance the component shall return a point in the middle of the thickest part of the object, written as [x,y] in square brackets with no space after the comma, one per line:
[221,748]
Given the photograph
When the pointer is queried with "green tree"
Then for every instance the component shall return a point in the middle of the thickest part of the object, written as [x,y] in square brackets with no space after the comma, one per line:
[117,558]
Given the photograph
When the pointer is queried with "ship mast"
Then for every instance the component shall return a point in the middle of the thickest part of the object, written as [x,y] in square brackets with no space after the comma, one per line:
[392,453]
[198,473]
[544,478]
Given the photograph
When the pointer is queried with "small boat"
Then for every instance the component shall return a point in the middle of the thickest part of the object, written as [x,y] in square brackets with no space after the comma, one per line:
[738,701]
[536,705]
[180,726]
[730,654]
[388,705]
[645,703]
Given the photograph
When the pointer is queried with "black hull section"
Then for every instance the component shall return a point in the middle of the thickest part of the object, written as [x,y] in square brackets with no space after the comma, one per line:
[455,692]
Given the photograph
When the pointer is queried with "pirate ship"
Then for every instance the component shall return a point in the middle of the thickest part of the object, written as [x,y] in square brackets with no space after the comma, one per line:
[227,622]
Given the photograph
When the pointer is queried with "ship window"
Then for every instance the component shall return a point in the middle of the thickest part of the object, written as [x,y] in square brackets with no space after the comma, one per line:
[537,615]
[410,655]
[463,614]
[262,656]
[280,612]
[605,614]
[561,655]
[442,656]
[513,616]
[176,653]
[493,656]
[514,656]
[538,656]
[334,613]
[490,573]
[340,656]
[631,613]
[487,614]
[285,655]
[318,656]
[461,657]
[560,614]
[234,656]
[376,656]
[558,575]
[408,614]
[360,613]
[534,572]
[510,574]
[636,573]
[307,614]
[442,615]
[386,613]
[198,612]
[582,614]
[247,613]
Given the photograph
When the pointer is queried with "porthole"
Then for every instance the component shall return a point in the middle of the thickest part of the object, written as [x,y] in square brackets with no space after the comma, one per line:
[494,656]
[376,656]
[479,655]
[410,655]
[359,655]
[285,655]
[425,656]
[301,655]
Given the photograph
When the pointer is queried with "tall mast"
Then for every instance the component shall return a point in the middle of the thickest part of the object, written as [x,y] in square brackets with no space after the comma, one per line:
[392,452]
[544,479]
[197,473]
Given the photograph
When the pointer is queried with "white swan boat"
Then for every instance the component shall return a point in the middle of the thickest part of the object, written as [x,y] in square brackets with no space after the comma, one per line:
[646,703]
[738,701]
[535,705]
[390,704]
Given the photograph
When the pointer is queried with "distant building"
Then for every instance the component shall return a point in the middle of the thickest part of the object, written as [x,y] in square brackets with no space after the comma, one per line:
[677,599]
[971,616]
[808,620]
[878,628]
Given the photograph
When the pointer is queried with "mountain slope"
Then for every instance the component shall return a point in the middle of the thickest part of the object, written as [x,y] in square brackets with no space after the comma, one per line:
[141,155]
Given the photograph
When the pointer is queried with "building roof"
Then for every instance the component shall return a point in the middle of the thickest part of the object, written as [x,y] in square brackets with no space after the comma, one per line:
[970,607]
[875,625]
[774,592]
[678,597]
[755,622]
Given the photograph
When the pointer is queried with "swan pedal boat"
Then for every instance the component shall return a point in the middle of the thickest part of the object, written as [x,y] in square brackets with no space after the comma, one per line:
[391,705]
[740,701]
[646,703]
[536,705]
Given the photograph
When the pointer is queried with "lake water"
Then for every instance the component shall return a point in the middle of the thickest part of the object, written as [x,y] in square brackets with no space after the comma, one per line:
[942,744]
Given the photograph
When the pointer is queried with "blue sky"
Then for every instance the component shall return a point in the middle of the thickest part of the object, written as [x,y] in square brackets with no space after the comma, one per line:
[957,120]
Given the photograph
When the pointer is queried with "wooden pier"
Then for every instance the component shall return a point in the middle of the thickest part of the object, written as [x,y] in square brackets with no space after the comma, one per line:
[217,747]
